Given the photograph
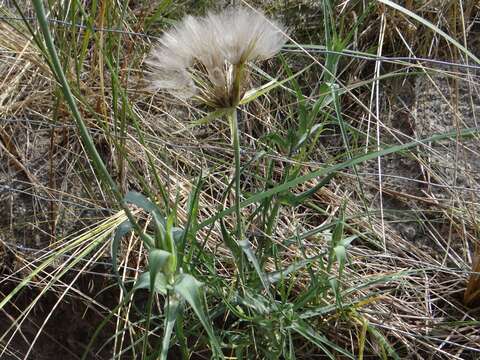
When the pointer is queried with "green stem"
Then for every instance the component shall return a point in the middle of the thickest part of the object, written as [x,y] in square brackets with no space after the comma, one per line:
[58,71]
[232,117]
[236,149]
[328,170]
[87,140]
[147,323]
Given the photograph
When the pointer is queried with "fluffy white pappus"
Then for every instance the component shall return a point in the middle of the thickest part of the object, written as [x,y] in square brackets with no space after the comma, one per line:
[246,35]
[200,56]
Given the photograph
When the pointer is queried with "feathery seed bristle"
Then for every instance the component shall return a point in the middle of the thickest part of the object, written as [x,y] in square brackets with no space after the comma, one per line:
[200,57]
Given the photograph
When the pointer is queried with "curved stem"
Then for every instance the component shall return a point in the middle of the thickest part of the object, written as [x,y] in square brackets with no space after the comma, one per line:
[98,164]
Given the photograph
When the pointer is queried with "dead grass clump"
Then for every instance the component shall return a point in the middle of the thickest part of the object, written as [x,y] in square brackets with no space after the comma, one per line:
[409,284]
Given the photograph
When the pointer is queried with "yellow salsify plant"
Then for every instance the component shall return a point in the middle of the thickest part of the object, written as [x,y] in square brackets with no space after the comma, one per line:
[205,59]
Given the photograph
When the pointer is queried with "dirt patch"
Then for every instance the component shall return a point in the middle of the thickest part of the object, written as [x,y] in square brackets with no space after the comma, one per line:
[69,328]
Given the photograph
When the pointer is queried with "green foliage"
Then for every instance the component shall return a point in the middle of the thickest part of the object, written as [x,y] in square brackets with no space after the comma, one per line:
[165,275]
[269,295]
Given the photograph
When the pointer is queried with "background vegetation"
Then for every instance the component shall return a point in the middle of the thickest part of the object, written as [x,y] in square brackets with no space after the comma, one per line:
[360,181]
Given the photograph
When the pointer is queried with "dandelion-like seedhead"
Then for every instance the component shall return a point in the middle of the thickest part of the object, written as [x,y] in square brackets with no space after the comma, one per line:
[205,57]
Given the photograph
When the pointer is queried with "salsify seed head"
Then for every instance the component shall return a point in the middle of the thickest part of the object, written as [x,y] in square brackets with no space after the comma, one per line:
[205,57]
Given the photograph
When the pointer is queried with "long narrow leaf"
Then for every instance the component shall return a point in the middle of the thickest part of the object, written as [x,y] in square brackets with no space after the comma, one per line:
[431,26]
[191,290]
[121,231]
[304,329]
[328,170]
[170,318]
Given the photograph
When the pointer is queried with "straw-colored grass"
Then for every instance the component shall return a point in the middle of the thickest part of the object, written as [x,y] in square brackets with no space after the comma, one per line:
[359,182]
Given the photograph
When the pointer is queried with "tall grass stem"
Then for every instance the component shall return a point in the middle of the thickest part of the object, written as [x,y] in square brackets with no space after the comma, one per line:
[87,140]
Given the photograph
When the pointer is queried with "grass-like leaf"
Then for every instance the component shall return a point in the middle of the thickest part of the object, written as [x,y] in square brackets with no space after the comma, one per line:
[191,290]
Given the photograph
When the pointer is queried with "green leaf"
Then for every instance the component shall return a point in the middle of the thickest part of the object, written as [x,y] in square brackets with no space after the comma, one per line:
[157,261]
[178,234]
[171,265]
[275,276]
[158,14]
[135,198]
[148,240]
[245,245]
[324,99]
[297,199]
[170,242]
[274,83]
[171,310]
[335,286]
[121,231]
[337,235]
[304,120]
[276,139]
[160,242]
[383,342]
[331,169]
[256,302]
[214,115]
[341,255]
[347,241]
[192,212]
[143,281]
[307,134]
[191,290]
[231,244]
[160,286]
[431,26]
[304,329]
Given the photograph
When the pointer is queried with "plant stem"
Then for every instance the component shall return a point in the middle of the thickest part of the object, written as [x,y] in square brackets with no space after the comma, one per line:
[236,149]
[147,323]
[232,117]
[87,140]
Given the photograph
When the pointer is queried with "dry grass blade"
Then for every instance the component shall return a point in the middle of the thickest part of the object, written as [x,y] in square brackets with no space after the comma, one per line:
[315,200]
